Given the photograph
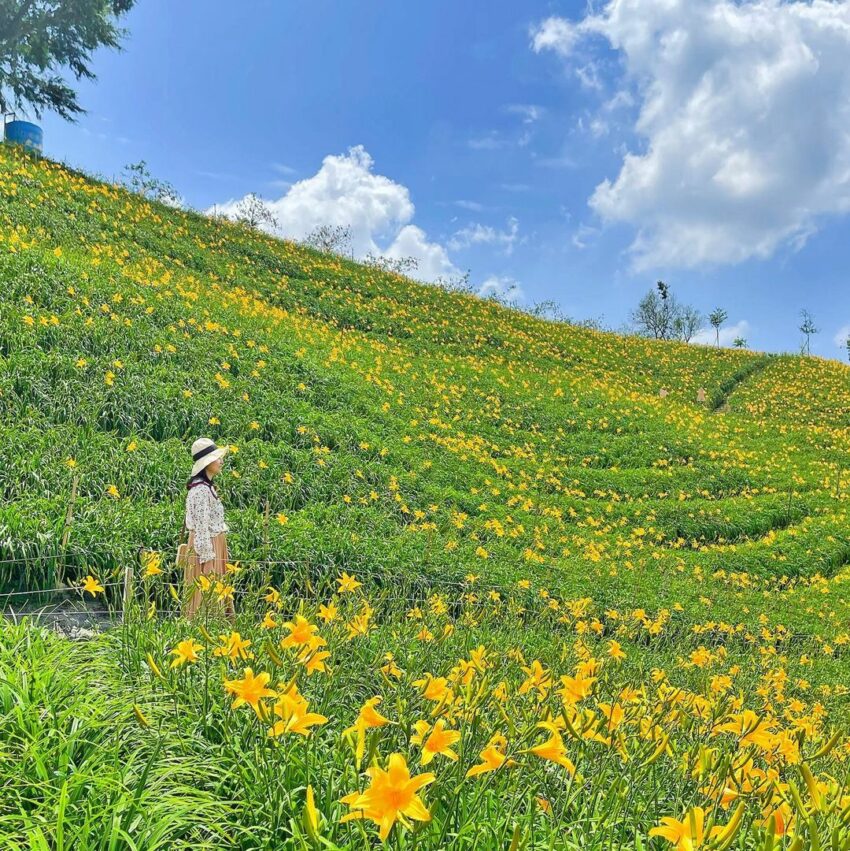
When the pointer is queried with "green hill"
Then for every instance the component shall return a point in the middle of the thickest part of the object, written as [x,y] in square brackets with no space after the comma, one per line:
[622,605]
[397,426]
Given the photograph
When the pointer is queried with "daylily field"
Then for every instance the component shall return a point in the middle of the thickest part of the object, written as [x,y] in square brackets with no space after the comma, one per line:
[494,589]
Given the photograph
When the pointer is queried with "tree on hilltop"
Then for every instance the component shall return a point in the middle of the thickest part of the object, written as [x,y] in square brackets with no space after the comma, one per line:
[807,329]
[41,39]
[331,239]
[660,316]
[138,179]
[686,323]
[396,265]
[253,212]
[717,317]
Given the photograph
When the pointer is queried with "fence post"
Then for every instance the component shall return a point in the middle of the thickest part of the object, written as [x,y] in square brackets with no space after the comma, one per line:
[66,529]
[125,597]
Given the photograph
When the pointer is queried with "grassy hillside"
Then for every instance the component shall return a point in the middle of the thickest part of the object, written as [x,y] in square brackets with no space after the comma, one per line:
[393,424]
[415,438]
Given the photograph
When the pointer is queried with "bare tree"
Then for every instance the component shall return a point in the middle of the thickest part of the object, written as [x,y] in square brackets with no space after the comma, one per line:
[396,265]
[717,317]
[457,283]
[253,212]
[549,309]
[331,239]
[138,178]
[807,329]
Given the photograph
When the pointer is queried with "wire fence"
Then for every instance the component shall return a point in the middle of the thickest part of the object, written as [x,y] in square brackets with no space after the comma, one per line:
[295,581]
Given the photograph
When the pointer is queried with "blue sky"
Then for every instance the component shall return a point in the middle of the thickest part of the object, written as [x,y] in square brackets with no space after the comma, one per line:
[488,130]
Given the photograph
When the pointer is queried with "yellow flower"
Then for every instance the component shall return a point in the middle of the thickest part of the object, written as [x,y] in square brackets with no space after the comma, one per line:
[273,596]
[109,378]
[369,716]
[186,651]
[282,519]
[71,463]
[132,446]
[250,690]
[151,562]
[615,651]
[328,613]
[750,728]
[492,757]
[347,583]
[438,742]
[391,796]
[302,633]
[295,717]
[91,585]
[113,492]
[234,647]
[575,688]
[553,748]
[685,835]
[390,668]
[269,622]
[313,660]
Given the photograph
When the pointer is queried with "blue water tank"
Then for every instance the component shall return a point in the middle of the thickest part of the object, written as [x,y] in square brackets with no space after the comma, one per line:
[26,134]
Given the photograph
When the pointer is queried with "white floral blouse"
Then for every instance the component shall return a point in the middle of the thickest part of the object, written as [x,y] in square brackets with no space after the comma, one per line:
[204,517]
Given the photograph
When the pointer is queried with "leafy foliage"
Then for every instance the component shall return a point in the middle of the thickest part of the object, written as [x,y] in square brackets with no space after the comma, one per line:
[39,39]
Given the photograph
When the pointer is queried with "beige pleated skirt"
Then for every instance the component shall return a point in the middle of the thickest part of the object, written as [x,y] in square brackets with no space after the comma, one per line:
[215,569]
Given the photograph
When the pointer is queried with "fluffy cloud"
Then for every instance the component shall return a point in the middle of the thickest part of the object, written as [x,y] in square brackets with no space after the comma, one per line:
[842,335]
[433,259]
[728,335]
[478,234]
[501,287]
[743,111]
[346,192]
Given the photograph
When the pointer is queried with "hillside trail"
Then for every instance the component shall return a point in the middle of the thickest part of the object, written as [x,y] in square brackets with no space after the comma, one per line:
[720,403]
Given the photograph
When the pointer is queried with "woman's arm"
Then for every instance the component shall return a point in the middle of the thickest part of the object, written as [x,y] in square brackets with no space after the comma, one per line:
[200,503]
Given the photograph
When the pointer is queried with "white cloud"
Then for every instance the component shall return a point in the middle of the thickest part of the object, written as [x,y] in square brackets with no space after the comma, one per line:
[433,259]
[346,192]
[728,334]
[492,141]
[473,206]
[556,34]
[842,335]
[478,234]
[528,112]
[743,111]
[584,235]
[501,287]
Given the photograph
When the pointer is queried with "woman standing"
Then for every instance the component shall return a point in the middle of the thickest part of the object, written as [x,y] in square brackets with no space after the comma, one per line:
[207,545]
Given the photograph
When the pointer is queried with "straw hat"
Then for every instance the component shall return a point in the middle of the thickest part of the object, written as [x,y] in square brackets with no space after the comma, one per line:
[204,452]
